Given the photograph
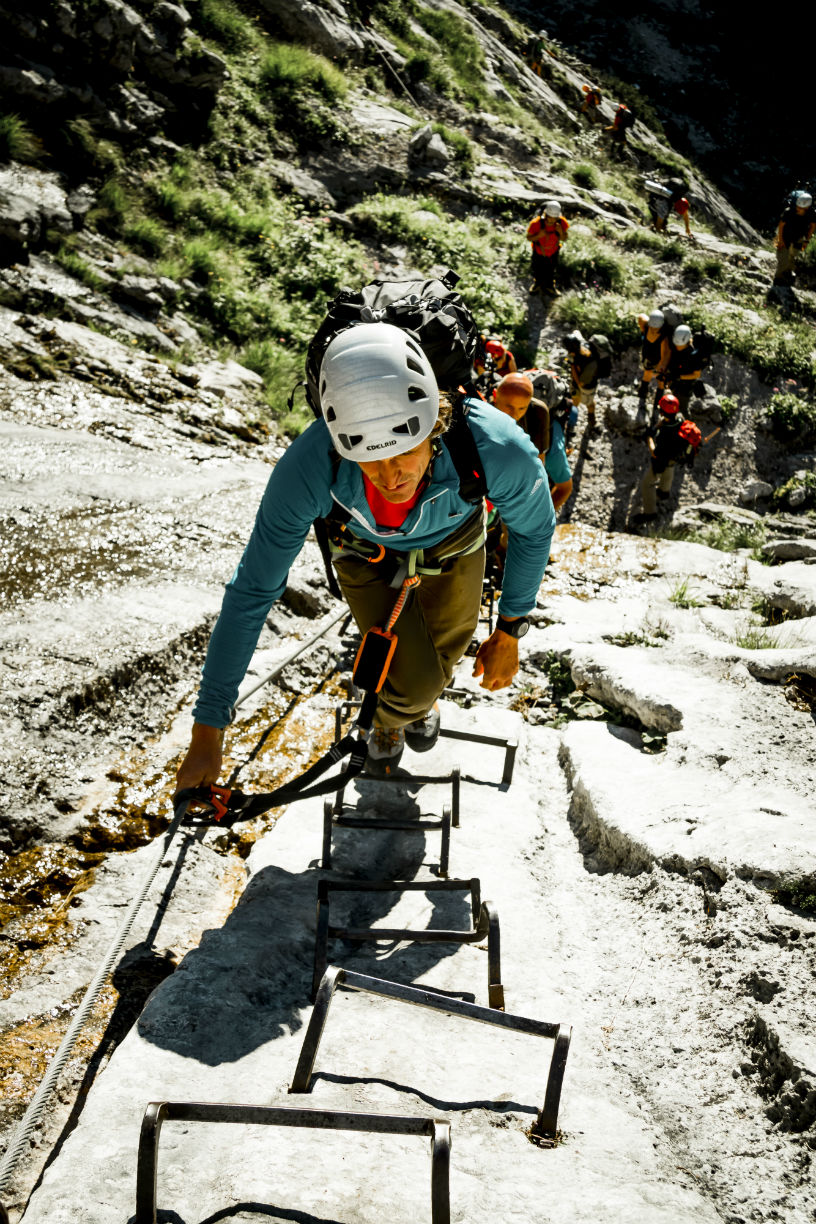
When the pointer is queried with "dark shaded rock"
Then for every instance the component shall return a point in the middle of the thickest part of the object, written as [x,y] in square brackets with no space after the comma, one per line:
[325,26]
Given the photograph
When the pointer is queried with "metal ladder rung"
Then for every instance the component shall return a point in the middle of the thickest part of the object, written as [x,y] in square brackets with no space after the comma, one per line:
[159,1112]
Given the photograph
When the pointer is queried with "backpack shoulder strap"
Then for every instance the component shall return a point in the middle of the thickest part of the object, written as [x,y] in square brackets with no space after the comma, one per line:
[458,441]
[336,516]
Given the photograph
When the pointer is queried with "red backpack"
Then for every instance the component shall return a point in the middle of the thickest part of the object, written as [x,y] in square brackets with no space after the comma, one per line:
[692,437]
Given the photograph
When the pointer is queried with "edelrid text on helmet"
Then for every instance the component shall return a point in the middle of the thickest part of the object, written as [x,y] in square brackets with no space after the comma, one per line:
[377,391]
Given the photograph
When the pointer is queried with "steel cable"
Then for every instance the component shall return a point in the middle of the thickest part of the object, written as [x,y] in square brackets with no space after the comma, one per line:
[31,1117]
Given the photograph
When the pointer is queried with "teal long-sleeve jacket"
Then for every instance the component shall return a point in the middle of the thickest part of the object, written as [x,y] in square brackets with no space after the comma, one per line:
[304,485]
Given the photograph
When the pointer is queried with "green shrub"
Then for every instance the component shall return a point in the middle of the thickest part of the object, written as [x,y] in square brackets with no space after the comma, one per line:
[756,637]
[79,144]
[681,596]
[459,144]
[463,52]
[806,481]
[592,262]
[609,313]
[792,417]
[430,70]
[76,266]
[799,894]
[288,66]
[304,90]
[281,367]
[726,536]
[585,175]
[773,346]
[17,141]
[169,198]
[146,236]
[728,408]
[223,21]
[202,259]
[699,268]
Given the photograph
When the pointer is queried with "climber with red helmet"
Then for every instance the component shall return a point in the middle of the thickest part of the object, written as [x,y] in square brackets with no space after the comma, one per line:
[376,466]
[666,447]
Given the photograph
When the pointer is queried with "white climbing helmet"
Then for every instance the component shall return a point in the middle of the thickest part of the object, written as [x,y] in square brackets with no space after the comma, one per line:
[552,209]
[657,319]
[682,336]
[803,199]
[378,393]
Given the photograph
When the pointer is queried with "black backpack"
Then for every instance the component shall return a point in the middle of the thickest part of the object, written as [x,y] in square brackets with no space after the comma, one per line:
[703,343]
[626,119]
[430,309]
[601,350]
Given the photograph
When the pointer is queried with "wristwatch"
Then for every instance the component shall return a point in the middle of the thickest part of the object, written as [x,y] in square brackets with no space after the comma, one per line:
[515,628]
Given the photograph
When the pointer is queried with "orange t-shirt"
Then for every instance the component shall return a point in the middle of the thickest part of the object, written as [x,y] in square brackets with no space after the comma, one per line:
[547,241]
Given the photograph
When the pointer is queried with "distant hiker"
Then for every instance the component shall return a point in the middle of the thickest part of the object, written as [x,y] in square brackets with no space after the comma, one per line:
[589,361]
[671,440]
[795,230]
[684,367]
[544,418]
[664,198]
[546,232]
[617,130]
[590,104]
[378,457]
[492,361]
[654,353]
[536,50]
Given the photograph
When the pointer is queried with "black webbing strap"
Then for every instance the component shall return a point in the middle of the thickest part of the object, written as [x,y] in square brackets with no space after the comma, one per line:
[224,807]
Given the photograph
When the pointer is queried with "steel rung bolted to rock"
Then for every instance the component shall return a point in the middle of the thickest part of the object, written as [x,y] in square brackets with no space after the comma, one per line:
[337,815]
[547,1121]
[510,746]
[159,1112]
[485,925]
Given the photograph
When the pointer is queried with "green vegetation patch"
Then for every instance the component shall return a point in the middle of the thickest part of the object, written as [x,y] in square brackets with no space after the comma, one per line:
[463,52]
[774,346]
[305,91]
[17,141]
[479,250]
[792,416]
[800,480]
[609,313]
[798,894]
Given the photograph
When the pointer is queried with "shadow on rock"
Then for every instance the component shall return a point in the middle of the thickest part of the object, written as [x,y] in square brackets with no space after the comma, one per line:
[248,982]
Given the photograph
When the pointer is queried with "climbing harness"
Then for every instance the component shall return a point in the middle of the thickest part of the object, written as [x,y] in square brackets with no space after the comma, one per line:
[223,806]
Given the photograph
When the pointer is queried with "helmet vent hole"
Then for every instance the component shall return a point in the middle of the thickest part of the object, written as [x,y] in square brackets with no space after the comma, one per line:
[349,441]
[409,427]
[414,365]
[416,393]
[330,414]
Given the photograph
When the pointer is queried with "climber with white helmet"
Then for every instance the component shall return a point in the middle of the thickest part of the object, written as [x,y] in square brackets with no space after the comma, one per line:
[654,353]
[685,365]
[546,231]
[797,226]
[377,467]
